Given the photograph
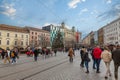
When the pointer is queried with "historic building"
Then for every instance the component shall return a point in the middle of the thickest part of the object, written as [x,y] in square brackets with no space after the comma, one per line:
[38,37]
[89,39]
[13,36]
[100,36]
[69,35]
[112,32]
[95,38]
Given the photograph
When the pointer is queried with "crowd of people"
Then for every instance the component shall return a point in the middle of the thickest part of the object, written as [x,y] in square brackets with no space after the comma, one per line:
[9,55]
[97,53]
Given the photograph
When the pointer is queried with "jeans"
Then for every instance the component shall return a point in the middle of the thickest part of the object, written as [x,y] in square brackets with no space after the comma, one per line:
[71,59]
[97,61]
[87,65]
[13,59]
[35,58]
[94,63]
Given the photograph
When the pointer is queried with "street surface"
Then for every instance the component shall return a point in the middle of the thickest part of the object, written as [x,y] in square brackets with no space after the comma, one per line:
[52,68]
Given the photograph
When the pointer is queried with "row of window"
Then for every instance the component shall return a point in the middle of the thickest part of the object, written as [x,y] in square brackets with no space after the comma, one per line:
[16,35]
[40,34]
[15,43]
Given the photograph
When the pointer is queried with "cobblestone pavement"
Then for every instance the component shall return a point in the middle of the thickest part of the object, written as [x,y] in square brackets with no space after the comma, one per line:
[52,68]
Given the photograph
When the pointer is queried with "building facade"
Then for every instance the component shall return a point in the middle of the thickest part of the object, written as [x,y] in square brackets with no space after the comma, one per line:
[12,36]
[112,32]
[53,29]
[69,35]
[89,39]
[38,37]
[100,36]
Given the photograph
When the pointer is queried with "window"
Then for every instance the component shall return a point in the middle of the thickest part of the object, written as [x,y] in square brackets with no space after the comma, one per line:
[8,34]
[15,42]
[26,36]
[32,32]
[21,42]
[8,42]
[0,42]
[26,43]
[35,37]
[22,36]
[0,33]
[32,37]
[15,35]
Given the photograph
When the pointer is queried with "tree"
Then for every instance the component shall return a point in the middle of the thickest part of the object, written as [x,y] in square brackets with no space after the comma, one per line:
[58,41]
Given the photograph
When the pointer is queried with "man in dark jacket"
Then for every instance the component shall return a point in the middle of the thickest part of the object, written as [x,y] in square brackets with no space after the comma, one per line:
[35,54]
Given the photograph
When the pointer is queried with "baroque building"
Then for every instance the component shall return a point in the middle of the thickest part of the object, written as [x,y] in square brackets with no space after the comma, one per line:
[13,36]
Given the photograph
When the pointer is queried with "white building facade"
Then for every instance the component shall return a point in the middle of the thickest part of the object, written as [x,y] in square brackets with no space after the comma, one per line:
[112,33]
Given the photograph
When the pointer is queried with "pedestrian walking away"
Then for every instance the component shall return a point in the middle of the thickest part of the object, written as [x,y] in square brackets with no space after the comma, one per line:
[35,54]
[107,57]
[86,60]
[83,50]
[97,55]
[71,54]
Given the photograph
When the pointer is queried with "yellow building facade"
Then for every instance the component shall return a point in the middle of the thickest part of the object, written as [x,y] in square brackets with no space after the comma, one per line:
[12,36]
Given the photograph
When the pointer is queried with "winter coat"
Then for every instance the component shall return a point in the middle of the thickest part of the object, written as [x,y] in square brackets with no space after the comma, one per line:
[86,57]
[36,52]
[106,56]
[97,53]
[71,53]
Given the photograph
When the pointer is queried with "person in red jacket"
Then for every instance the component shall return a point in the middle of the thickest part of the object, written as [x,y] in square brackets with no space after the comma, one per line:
[97,55]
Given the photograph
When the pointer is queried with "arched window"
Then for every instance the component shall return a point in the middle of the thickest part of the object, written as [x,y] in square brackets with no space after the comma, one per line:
[15,42]
[8,42]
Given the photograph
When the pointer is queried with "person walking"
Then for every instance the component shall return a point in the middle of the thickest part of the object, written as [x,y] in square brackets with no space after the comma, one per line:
[71,54]
[55,51]
[7,56]
[2,53]
[94,62]
[82,56]
[86,60]
[97,56]
[107,57]
[36,54]
[13,57]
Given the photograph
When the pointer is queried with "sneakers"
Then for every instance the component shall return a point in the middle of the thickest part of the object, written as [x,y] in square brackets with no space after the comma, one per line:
[87,72]
[81,65]
[97,71]
[110,75]
[94,68]
[106,77]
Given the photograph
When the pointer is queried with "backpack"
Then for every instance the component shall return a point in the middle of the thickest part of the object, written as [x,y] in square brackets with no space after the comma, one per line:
[12,54]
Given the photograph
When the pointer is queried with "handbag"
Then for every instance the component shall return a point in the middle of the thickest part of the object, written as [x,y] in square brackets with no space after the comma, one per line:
[68,54]
[88,59]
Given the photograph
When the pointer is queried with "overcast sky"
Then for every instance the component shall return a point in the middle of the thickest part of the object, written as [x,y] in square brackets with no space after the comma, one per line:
[85,15]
